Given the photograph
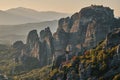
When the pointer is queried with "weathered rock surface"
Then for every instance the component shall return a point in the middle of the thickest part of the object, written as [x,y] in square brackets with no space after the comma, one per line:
[85,28]
[33,44]
[47,46]
[39,47]
[95,64]
[113,38]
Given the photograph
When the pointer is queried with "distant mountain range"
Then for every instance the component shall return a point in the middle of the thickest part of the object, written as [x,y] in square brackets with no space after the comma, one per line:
[11,33]
[22,15]
[16,22]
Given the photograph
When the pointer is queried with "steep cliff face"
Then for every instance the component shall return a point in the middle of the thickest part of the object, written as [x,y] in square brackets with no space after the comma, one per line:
[84,29]
[47,46]
[18,47]
[100,24]
[61,37]
[113,38]
[99,63]
[40,47]
[33,44]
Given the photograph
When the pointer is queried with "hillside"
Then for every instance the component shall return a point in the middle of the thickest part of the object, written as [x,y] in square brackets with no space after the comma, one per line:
[85,46]
[99,63]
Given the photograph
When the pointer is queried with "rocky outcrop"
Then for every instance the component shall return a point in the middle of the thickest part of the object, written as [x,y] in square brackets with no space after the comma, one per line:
[47,46]
[100,24]
[18,45]
[113,38]
[32,38]
[33,44]
[39,47]
[85,28]
[99,63]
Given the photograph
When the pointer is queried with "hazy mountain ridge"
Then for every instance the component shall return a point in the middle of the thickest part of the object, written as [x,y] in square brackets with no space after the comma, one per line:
[8,18]
[11,33]
[39,15]
[22,15]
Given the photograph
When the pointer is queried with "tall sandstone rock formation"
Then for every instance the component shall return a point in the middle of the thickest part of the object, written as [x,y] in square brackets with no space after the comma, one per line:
[46,47]
[81,31]
[84,29]
[37,46]
[33,44]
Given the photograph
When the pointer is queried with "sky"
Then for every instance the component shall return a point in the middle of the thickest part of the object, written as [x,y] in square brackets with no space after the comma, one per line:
[66,6]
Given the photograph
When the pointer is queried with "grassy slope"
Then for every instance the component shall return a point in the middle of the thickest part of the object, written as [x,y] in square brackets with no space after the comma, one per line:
[6,60]
[35,74]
